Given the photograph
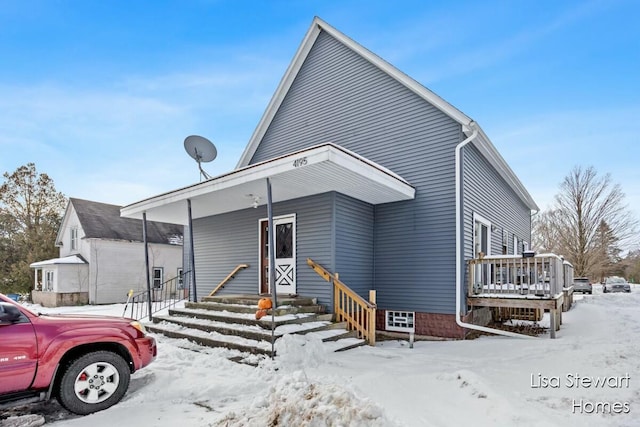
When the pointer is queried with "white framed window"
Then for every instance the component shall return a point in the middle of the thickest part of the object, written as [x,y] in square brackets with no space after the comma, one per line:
[74,239]
[516,245]
[400,321]
[48,280]
[158,277]
[505,239]
[180,278]
[481,235]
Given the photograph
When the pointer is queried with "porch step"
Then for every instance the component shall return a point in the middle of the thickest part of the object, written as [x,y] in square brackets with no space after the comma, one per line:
[254,332]
[284,300]
[248,319]
[251,308]
[229,322]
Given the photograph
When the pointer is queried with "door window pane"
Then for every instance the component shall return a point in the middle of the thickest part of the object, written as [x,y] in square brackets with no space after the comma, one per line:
[284,240]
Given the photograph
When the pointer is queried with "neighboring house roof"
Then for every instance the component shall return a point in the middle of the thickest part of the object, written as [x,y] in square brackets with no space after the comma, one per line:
[103,221]
[482,142]
[71,259]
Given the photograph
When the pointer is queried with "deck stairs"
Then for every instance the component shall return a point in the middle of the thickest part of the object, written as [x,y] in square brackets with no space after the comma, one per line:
[229,321]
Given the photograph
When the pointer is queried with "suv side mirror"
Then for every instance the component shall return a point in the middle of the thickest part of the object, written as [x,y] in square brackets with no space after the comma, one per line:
[9,313]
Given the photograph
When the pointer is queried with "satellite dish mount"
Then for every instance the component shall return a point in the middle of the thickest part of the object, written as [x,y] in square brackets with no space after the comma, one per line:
[201,150]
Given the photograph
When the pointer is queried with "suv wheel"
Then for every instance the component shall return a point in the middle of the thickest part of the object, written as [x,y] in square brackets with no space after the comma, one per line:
[93,382]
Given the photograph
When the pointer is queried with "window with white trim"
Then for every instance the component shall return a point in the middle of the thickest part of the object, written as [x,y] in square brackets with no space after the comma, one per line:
[481,235]
[481,247]
[516,245]
[180,279]
[74,239]
[400,321]
[158,277]
[48,280]
[505,238]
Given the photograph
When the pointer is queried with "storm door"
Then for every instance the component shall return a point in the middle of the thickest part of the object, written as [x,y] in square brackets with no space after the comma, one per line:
[285,255]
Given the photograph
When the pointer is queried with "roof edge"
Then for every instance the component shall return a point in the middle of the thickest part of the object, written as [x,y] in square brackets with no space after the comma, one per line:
[493,156]
[294,67]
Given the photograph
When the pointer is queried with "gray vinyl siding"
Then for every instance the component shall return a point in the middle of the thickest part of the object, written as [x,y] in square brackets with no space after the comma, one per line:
[224,241]
[487,194]
[354,243]
[340,97]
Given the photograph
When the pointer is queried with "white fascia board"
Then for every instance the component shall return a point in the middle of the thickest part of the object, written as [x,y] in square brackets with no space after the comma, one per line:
[489,151]
[299,58]
[273,168]
[65,219]
[71,259]
[364,168]
[394,72]
[281,91]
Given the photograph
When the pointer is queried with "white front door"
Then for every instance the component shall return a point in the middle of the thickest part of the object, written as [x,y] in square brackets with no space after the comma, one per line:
[285,255]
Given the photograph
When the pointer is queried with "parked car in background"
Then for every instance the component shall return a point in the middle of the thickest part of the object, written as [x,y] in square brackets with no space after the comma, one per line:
[615,284]
[83,361]
[582,284]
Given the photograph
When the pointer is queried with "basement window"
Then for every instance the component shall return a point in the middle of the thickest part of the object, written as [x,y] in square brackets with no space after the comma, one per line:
[400,321]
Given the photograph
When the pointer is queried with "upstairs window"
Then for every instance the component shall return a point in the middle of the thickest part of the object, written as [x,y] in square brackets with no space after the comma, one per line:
[74,239]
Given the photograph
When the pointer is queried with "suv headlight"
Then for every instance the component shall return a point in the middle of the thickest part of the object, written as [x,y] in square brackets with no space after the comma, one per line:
[139,326]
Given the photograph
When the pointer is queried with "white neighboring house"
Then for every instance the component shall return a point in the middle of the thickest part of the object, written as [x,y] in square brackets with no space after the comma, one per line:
[102,257]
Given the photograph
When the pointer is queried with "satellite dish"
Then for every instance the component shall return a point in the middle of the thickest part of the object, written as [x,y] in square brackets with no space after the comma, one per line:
[201,150]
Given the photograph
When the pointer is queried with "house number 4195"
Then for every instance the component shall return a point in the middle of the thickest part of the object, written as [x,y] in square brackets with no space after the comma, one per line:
[299,162]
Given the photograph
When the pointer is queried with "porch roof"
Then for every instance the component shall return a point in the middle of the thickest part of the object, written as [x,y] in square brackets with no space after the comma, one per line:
[71,259]
[316,170]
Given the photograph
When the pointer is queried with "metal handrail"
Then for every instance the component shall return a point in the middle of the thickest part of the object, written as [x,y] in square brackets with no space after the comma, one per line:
[168,294]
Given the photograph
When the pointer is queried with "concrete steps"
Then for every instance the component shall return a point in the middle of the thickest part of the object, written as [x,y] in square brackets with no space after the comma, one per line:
[229,321]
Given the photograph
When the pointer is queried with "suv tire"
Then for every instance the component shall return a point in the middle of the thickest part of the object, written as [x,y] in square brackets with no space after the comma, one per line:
[93,382]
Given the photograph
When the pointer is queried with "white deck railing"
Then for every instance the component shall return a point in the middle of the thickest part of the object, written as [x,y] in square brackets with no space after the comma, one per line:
[540,275]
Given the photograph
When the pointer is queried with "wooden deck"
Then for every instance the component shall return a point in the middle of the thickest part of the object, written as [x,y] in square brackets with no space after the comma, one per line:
[517,282]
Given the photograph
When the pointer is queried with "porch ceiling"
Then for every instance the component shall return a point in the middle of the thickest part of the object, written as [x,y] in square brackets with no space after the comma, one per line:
[312,171]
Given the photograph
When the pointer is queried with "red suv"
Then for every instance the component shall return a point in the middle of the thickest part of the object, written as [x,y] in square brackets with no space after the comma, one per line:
[83,361]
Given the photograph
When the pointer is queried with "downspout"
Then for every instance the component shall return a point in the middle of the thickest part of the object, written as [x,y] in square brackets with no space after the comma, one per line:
[459,274]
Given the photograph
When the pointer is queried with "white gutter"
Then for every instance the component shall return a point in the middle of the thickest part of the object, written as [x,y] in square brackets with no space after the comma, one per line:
[472,125]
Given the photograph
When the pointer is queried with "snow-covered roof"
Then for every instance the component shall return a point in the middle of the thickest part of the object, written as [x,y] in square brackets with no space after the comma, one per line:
[71,259]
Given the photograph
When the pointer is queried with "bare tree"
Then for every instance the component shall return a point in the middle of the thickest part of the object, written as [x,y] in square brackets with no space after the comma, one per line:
[545,236]
[30,213]
[588,221]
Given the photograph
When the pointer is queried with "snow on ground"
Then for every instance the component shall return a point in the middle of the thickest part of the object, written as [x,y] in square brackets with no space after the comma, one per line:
[489,381]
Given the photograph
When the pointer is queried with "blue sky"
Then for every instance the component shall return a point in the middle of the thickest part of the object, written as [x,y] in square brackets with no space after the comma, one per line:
[101,94]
